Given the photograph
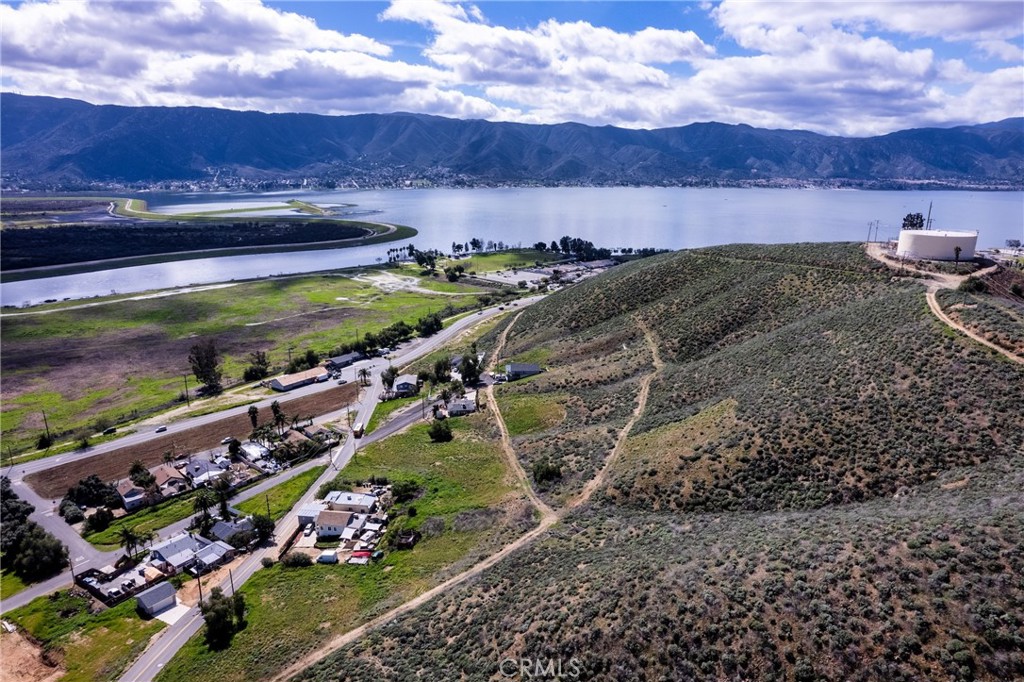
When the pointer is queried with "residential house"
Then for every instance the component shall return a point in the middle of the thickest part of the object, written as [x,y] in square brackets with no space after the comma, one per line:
[156,599]
[223,530]
[519,370]
[341,500]
[170,481]
[203,472]
[341,361]
[331,524]
[308,512]
[406,385]
[132,495]
[299,379]
[460,406]
[185,551]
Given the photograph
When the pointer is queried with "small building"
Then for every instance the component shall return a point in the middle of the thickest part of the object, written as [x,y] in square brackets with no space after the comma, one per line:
[156,599]
[460,406]
[132,496]
[340,500]
[342,361]
[289,382]
[406,385]
[254,451]
[519,370]
[308,513]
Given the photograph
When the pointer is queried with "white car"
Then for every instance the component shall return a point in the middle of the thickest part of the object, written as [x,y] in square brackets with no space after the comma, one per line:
[161,429]
[225,441]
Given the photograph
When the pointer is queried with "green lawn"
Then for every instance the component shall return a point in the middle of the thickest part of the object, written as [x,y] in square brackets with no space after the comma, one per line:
[10,584]
[145,520]
[503,260]
[283,496]
[94,646]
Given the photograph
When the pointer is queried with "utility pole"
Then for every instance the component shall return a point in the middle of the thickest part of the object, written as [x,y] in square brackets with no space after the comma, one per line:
[232,579]
[187,400]
[928,220]
[268,503]
[47,425]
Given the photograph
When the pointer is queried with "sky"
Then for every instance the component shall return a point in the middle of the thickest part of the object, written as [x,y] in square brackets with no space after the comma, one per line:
[839,68]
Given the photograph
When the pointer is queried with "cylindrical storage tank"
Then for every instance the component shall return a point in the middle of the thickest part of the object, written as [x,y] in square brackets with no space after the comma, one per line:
[936,244]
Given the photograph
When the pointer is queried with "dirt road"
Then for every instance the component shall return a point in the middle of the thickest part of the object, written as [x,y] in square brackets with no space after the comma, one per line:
[548,516]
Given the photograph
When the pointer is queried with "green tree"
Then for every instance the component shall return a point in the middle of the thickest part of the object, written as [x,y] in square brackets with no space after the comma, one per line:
[205,361]
[222,489]
[913,221]
[259,366]
[956,254]
[279,419]
[203,502]
[129,539]
[470,368]
[264,526]
[388,377]
[99,521]
[219,616]
[38,555]
[364,376]
[254,416]
[442,369]
[440,432]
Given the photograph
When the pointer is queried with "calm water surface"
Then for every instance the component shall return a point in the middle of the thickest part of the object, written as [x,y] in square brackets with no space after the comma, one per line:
[673,218]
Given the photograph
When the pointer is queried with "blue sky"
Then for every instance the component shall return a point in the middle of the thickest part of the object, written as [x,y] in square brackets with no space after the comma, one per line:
[847,68]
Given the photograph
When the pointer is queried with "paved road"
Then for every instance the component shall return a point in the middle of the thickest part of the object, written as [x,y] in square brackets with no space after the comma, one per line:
[83,555]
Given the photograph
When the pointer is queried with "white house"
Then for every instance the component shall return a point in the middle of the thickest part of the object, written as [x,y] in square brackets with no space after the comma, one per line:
[460,406]
[299,379]
[131,495]
[340,500]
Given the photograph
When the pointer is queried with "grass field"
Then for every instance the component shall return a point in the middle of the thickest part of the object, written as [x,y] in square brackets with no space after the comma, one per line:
[503,260]
[10,584]
[531,413]
[110,362]
[283,496]
[94,647]
[472,510]
[145,520]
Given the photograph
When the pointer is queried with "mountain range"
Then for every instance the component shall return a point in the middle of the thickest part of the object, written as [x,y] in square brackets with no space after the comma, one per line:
[53,140]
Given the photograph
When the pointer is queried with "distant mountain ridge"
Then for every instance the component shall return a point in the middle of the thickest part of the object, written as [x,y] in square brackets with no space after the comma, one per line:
[61,140]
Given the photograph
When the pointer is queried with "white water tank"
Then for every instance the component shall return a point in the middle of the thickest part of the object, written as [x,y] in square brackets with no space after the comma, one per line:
[936,244]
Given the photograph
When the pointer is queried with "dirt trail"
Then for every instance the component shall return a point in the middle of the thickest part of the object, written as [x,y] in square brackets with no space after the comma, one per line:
[548,516]
[937,281]
[23,661]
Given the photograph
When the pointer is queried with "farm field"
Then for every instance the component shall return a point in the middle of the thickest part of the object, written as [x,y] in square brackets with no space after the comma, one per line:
[111,466]
[108,363]
[465,508]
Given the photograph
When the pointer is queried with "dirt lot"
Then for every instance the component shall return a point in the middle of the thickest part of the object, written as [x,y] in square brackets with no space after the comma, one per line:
[22,661]
[53,483]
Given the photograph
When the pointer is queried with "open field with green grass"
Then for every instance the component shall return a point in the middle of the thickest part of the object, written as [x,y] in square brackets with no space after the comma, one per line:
[10,584]
[92,647]
[146,520]
[466,509]
[283,496]
[503,260]
[109,362]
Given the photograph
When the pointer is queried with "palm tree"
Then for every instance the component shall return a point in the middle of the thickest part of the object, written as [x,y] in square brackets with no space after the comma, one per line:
[364,376]
[956,254]
[128,539]
[222,489]
[204,501]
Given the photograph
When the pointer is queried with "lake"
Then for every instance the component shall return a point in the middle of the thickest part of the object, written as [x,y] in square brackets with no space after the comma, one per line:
[673,218]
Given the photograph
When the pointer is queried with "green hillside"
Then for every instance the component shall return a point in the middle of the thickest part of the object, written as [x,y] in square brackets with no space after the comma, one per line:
[824,485]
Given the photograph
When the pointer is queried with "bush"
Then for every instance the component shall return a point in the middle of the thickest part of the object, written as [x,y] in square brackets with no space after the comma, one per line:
[440,432]
[403,491]
[544,471]
[70,511]
[267,562]
[99,521]
[296,560]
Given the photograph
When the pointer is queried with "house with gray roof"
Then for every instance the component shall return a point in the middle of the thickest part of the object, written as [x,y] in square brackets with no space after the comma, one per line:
[406,384]
[519,370]
[186,550]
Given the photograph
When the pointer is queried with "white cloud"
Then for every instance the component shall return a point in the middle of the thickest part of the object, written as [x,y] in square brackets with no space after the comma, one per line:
[848,68]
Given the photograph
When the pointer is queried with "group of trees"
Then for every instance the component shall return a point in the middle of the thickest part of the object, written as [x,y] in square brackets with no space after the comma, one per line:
[28,550]
[575,247]
[224,616]
[259,367]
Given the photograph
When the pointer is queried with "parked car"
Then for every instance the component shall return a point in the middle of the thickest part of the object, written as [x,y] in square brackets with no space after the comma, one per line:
[112,429]
[342,381]
[113,593]
[128,584]
[225,441]
[377,556]
[161,429]
[309,529]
